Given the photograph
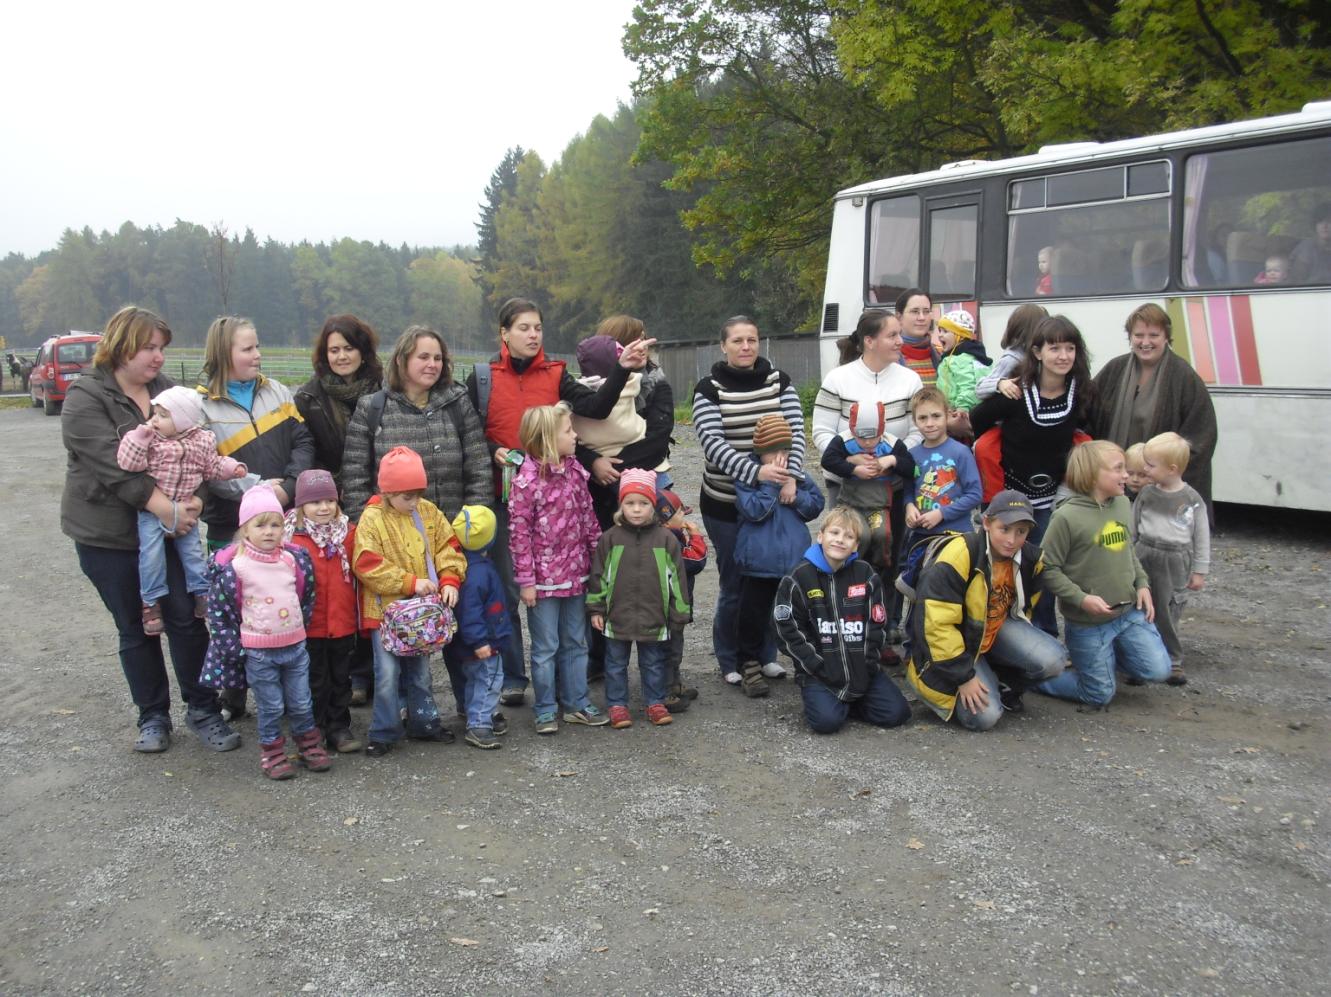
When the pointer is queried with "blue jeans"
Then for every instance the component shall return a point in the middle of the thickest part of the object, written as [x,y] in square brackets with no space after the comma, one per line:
[481,681]
[152,559]
[1024,654]
[558,653]
[1043,614]
[725,617]
[882,705]
[386,716]
[515,667]
[115,575]
[280,678]
[1128,643]
[651,665]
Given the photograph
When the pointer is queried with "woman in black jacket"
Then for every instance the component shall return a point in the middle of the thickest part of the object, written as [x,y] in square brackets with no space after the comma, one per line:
[346,367]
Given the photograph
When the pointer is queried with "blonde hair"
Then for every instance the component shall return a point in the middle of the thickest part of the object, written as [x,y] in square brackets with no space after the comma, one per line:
[127,331]
[1171,449]
[1135,457]
[1086,462]
[538,432]
[217,351]
[243,530]
[848,519]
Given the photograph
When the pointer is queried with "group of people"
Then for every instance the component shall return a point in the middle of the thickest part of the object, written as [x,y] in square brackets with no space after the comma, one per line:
[527,487]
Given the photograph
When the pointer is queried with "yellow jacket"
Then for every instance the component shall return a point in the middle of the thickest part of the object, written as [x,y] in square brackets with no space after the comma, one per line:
[390,555]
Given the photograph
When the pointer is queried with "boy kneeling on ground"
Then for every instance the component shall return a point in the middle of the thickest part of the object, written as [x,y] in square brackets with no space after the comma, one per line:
[831,619]
[972,619]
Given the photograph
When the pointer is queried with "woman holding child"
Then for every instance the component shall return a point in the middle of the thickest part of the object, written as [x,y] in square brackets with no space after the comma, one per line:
[727,404]
[98,511]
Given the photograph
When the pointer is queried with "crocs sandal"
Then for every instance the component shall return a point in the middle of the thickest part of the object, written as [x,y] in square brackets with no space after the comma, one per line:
[154,736]
[212,730]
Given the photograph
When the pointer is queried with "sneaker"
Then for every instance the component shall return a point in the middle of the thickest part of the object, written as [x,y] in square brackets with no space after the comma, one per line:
[154,736]
[499,724]
[441,734]
[547,724]
[773,670]
[344,742]
[360,697]
[734,678]
[659,715]
[1011,699]
[1177,676]
[512,696]
[620,718]
[589,716]
[482,737]
[377,749]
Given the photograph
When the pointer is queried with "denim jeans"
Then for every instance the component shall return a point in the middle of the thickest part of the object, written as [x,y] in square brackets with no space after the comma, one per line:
[1021,654]
[515,667]
[115,575]
[152,559]
[882,705]
[280,678]
[1043,614]
[1128,643]
[482,679]
[386,717]
[558,653]
[651,665]
[725,616]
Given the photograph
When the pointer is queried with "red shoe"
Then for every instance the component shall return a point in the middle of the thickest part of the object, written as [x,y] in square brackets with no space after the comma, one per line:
[312,752]
[619,717]
[274,760]
[658,715]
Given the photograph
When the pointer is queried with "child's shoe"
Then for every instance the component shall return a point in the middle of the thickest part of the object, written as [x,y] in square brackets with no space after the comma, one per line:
[344,742]
[377,749]
[274,760]
[774,670]
[201,607]
[312,753]
[360,696]
[512,696]
[676,703]
[1177,676]
[441,734]
[620,718]
[659,715]
[499,724]
[589,716]
[754,685]
[482,737]
[733,678]
[685,691]
[152,619]
[547,724]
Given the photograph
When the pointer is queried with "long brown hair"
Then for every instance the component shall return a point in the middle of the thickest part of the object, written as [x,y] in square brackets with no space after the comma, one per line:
[359,334]
[1058,329]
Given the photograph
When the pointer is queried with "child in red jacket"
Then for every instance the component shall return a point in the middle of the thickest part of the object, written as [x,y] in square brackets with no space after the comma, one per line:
[317,525]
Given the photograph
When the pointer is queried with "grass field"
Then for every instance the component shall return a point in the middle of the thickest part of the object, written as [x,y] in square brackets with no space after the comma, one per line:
[289,365]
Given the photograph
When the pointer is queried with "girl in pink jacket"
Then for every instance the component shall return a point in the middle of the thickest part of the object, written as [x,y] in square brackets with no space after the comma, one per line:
[552,533]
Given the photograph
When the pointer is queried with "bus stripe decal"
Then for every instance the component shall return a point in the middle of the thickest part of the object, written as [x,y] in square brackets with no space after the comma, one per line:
[1179,320]
[1201,343]
[1244,338]
[1222,341]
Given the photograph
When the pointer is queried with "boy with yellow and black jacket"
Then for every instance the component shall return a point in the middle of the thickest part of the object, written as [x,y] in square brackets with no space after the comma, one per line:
[972,619]
[831,619]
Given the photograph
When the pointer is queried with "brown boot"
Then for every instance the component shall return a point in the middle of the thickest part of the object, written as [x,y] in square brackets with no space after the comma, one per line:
[753,684]
[274,760]
[312,753]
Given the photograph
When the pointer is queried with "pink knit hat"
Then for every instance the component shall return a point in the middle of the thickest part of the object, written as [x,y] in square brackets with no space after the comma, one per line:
[636,481]
[259,499]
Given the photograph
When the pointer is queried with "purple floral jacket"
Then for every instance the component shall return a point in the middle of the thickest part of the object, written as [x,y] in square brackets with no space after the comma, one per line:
[552,528]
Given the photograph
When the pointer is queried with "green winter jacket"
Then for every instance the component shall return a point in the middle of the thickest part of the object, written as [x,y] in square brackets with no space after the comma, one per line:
[637,583]
[1088,551]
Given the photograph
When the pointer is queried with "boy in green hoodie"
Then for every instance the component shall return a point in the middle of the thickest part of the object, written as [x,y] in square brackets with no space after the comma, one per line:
[1102,589]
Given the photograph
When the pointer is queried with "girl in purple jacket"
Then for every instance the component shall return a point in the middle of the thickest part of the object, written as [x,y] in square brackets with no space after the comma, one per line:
[552,533]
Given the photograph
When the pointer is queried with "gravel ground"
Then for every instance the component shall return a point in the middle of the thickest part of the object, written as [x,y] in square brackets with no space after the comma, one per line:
[1177,843]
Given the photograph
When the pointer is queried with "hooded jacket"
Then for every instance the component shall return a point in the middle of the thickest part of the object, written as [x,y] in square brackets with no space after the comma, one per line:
[952,606]
[773,536]
[1088,550]
[482,611]
[552,528]
[638,583]
[833,624]
[960,373]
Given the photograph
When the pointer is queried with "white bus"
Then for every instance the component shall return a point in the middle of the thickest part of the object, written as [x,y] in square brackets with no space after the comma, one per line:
[1188,220]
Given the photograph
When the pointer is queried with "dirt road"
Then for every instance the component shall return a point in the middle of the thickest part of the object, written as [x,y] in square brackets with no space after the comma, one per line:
[1178,843]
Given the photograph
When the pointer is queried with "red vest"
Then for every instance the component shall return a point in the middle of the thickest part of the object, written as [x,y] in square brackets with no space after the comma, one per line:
[512,393]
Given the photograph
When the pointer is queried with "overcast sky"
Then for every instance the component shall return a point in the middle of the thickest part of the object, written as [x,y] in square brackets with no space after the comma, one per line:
[379,121]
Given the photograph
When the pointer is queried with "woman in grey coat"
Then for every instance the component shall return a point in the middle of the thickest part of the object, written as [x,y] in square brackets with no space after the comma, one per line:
[424,409]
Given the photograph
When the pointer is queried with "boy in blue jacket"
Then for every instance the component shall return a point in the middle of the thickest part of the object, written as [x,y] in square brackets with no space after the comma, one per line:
[771,540]
[475,665]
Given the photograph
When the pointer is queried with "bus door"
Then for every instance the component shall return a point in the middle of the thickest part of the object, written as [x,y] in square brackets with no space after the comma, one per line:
[951,246]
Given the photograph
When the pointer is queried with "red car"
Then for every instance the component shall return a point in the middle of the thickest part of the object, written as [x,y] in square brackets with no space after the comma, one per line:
[60,362]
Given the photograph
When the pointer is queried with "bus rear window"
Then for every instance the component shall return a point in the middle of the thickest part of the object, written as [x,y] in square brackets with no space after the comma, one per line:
[894,248]
[1259,216]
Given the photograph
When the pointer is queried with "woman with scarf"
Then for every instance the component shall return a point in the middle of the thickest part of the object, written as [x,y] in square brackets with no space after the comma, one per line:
[1151,390]
[346,367]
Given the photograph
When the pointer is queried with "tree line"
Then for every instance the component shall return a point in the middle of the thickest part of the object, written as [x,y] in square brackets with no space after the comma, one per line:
[710,194]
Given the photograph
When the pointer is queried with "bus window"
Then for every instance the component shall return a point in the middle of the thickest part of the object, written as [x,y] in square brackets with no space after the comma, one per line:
[894,248]
[1258,216]
[1101,231]
[952,244]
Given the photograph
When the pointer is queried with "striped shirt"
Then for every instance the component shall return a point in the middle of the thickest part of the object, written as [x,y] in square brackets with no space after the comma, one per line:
[726,407]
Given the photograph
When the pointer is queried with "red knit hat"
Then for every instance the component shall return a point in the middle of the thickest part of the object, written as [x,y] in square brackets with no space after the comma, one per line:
[636,481]
[401,470]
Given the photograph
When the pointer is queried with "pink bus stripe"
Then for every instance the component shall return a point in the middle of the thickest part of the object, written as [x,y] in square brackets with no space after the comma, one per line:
[1245,340]
[1222,341]
[1179,321]
[1201,343]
